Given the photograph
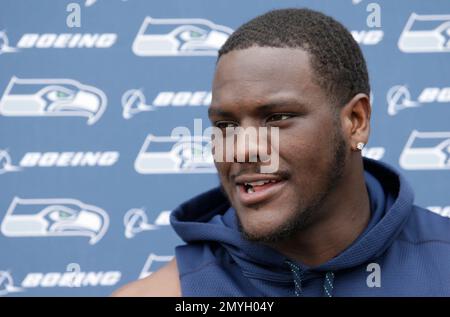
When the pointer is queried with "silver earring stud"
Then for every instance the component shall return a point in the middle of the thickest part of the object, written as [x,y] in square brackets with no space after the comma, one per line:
[360,146]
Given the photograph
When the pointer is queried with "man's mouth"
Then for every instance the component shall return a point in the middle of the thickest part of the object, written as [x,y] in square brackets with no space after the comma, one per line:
[258,188]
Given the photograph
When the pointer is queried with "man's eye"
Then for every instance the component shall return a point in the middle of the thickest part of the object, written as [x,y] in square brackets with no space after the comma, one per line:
[279,117]
[225,124]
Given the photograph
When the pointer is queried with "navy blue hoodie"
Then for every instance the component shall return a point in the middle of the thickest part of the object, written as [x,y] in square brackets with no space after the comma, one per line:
[404,251]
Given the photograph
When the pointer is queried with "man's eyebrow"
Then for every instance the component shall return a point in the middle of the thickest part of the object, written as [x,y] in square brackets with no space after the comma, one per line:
[268,107]
[212,111]
[264,108]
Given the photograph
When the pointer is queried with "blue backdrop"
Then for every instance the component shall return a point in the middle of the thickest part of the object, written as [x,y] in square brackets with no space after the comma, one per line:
[88,172]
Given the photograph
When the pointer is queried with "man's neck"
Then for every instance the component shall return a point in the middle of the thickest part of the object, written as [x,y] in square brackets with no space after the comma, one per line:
[345,215]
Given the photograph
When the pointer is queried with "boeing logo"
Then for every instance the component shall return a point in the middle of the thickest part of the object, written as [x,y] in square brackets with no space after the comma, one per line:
[54,40]
[58,279]
[6,164]
[134,102]
[58,159]
[368,37]
[135,221]
[71,279]
[69,159]
[4,44]
[7,284]
[399,98]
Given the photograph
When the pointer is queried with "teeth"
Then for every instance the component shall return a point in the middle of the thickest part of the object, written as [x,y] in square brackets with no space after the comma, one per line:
[260,183]
[249,187]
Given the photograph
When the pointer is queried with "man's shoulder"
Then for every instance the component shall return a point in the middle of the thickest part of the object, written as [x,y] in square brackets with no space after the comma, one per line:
[163,283]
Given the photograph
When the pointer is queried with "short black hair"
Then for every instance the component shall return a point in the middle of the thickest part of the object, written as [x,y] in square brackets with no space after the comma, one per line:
[336,58]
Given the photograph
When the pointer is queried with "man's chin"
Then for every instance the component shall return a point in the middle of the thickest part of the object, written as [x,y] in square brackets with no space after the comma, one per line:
[273,237]
[266,235]
[259,225]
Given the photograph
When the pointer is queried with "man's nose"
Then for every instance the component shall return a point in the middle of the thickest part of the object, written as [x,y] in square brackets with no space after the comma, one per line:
[250,144]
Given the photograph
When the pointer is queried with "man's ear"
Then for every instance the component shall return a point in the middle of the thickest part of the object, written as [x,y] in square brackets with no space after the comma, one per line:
[355,120]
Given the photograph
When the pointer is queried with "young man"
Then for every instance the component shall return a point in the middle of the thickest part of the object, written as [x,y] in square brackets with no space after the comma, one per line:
[327,222]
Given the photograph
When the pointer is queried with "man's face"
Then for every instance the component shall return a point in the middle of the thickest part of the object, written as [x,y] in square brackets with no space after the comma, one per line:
[274,87]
